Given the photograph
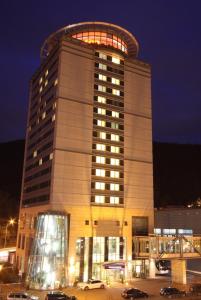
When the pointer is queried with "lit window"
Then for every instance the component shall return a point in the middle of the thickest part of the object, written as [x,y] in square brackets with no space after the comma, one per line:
[102,77]
[100,172]
[116,92]
[100,147]
[102,55]
[46,73]
[116,60]
[101,99]
[115,81]
[102,135]
[53,118]
[100,159]
[51,156]
[43,115]
[102,67]
[115,149]
[114,200]
[56,82]
[35,153]
[157,230]
[54,105]
[101,123]
[40,161]
[101,111]
[115,137]
[114,125]
[46,82]
[99,199]
[114,186]
[41,88]
[100,185]
[114,161]
[41,80]
[101,88]
[115,114]
[114,174]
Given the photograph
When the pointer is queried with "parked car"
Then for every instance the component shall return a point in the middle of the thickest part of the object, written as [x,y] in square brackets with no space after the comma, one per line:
[91,284]
[133,293]
[21,295]
[195,289]
[171,292]
[58,295]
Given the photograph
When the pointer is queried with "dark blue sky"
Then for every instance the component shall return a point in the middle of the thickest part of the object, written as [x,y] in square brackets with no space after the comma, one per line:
[169,35]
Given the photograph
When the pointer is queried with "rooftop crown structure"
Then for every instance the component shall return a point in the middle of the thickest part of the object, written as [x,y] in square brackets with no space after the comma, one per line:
[87,183]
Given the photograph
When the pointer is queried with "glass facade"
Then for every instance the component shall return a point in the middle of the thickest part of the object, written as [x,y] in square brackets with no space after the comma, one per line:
[104,38]
[93,253]
[47,261]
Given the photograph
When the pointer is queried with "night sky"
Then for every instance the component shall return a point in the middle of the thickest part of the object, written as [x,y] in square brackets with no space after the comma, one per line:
[169,35]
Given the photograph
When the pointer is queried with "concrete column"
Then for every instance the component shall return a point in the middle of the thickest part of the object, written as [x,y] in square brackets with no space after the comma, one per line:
[178,267]
[152,268]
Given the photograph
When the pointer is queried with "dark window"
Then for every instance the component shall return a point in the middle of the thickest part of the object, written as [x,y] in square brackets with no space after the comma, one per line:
[139,226]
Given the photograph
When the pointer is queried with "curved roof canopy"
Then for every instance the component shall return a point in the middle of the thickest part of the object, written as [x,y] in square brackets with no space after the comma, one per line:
[125,38]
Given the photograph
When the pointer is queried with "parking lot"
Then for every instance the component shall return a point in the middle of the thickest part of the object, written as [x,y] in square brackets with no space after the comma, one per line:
[151,286]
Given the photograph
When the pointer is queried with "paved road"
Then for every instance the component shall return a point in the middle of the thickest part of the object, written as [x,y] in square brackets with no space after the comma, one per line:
[151,286]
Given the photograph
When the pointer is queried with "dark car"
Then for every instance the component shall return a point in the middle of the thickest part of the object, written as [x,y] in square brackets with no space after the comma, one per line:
[58,295]
[171,292]
[195,289]
[133,293]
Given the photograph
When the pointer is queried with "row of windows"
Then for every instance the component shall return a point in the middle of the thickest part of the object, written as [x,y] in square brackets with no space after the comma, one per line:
[113,59]
[43,104]
[40,162]
[40,150]
[38,186]
[104,89]
[109,148]
[106,160]
[106,199]
[112,125]
[109,113]
[107,186]
[51,67]
[54,83]
[47,77]
[36,200]
[106,68]
[41,138]
[112,80]
[108,136]
[38,174]
[104,100]
[34,115]
[40,128]
[107,173]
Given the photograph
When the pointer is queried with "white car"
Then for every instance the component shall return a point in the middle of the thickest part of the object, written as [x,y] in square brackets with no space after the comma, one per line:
[91,284]
[21,296]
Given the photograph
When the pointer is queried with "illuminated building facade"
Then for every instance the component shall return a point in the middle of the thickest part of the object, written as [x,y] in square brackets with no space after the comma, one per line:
[87,183]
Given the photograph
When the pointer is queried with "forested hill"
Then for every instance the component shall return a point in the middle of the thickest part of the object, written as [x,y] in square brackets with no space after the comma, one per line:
[11,162]
[177,175]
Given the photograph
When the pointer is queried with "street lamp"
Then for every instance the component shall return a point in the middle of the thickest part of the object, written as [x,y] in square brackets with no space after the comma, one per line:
[10,222]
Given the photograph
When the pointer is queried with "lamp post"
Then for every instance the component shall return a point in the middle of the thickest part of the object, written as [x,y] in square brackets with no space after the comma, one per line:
[10,222]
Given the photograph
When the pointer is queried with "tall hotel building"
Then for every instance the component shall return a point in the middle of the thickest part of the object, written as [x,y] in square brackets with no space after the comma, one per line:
[87,183]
